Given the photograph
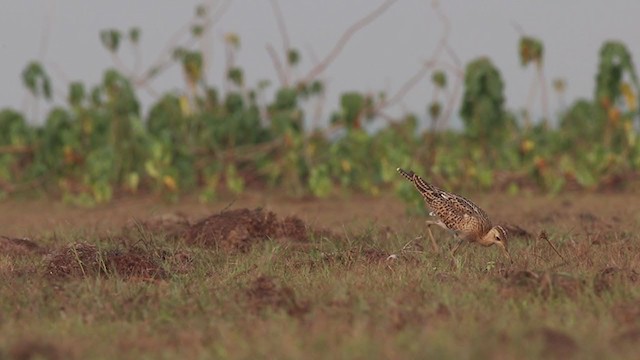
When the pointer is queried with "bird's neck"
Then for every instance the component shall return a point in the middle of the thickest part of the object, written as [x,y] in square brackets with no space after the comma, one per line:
[486,240]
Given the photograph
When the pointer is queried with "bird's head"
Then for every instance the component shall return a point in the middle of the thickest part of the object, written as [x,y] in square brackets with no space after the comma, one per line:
[499,236]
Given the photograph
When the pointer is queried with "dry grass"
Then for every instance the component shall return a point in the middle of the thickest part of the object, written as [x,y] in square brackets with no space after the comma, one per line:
[291,291]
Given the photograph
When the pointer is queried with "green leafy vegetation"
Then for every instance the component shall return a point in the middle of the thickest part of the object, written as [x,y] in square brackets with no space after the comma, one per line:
[211,139]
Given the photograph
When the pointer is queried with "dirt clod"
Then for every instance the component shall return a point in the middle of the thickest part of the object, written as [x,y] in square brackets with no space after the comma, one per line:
[36,349]
[170,225]
[84,260]
[607,278]
[557,344]
[628,337]
[515,231]
[264,293]
[19,246]
[544,284]
[627,313]
[239,229]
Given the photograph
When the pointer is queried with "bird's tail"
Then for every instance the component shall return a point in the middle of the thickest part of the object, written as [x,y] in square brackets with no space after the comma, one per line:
[425,188]
[407,174]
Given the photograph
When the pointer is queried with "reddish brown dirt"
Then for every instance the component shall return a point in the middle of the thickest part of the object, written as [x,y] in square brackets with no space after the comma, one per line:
[544,284]
[264,293]
[82,259]
[557,344]
[609,277]
[239,229]
[19,246]
[171,225]
[627,314]
[595,212]
[33,217]
[37,349]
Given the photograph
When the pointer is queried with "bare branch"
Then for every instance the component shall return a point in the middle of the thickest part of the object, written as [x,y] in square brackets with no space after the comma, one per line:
[312,55]
[543,92]
[443,43]
[222,9]
[456,59]
[60,73]
[215,14]
[137,59]
[120,65]
[434,61]
[284,34]
[46,31]
[277,64]
[518,28]
[444,38]
[164,59]
[448,110]
[404,89]
[319,108]
[344,39]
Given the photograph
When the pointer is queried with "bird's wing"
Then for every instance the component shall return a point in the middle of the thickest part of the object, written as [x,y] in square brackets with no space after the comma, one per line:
[459,213]
[455,211]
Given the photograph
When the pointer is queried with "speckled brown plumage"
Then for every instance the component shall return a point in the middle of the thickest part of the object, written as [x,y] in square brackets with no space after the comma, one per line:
[458,214]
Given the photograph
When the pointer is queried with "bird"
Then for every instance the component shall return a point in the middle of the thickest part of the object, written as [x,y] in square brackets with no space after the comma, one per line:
[461,216]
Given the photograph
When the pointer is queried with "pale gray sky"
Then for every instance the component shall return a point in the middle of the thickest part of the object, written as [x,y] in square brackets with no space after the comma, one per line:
[380,57]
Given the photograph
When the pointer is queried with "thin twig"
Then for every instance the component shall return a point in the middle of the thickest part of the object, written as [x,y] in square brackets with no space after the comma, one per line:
[216,13]
[344,39]
[434,61]
[277,64]
[457,88]
[404,89]
[122,67]
[46,31]
[543,235]
[284,34]
[543,90]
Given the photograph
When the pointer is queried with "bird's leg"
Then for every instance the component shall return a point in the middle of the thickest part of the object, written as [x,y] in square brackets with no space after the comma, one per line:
[455,248]
[454,263]
[434,245]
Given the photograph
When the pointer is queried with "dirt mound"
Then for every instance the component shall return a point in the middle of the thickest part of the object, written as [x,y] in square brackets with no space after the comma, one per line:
[516,231]
[264,294]
[37,349]
[556,344]
[171,225]
[239,229]
[629,337]
[608,278]
[357,255]
[544,284]
[19,246]
[627,313]
[84,260]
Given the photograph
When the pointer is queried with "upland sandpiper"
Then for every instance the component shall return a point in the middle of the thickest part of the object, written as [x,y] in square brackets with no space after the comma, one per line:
[455,213]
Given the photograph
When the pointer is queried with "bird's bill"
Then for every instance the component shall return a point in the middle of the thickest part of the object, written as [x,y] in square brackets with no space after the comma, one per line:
[505,251]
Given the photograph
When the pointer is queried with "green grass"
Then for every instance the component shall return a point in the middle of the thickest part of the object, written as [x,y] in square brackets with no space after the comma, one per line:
[330,299]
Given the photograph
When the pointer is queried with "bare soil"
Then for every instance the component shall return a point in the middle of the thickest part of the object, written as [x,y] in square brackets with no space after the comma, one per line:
[589,213]
[82,259]
[239,229]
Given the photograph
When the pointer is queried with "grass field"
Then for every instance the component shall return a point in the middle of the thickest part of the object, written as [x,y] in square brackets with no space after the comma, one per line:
[144,279]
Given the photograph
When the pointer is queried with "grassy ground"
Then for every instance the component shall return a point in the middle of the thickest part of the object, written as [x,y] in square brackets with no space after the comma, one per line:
[91,286]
